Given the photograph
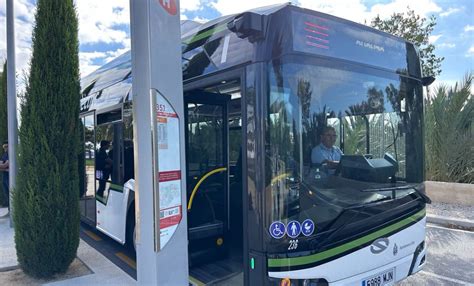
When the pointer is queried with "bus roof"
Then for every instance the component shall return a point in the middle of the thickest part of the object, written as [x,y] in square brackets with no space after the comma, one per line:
[233,40]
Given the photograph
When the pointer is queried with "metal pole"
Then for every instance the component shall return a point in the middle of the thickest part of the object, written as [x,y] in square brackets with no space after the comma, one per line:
[139,14]
[162,248]
[11,95]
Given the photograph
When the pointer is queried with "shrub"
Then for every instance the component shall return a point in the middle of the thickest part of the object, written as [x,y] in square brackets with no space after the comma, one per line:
[46,206]
[449,133]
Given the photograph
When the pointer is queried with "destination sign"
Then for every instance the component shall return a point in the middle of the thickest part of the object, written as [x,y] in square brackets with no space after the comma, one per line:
[328,36]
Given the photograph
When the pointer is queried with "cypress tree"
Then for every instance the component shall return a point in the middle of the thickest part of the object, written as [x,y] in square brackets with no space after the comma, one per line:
[3,119]
[46,206]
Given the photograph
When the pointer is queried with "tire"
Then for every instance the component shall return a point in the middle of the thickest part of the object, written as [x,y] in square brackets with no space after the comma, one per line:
[134,239]
[130,238]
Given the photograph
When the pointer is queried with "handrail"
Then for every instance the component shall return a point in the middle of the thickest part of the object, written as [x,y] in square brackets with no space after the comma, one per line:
[218,170]
[281,176]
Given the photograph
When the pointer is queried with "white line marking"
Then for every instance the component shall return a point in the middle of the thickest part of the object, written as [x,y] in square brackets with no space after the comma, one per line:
[447,228]
[446,278]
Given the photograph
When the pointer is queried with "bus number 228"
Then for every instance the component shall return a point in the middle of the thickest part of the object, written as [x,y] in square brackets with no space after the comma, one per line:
[293,244]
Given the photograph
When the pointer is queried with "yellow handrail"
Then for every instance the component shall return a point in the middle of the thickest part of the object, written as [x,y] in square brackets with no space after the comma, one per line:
[218,170]
[281,176]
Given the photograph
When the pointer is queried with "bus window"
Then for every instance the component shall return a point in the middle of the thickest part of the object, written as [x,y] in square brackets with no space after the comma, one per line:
[128,169]
[108,159]
[364,108]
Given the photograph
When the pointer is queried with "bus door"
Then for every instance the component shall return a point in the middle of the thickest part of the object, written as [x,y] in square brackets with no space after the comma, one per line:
[207,174]
[87,170]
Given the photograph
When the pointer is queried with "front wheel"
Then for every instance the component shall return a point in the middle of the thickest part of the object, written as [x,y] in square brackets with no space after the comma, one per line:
[135,238]
[131,235]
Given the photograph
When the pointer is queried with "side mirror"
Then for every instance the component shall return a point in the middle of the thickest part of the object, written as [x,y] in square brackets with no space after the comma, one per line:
[427,80]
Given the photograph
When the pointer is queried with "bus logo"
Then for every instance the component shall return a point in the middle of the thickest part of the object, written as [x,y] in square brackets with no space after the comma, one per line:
[395,249]
[170,6]
[379,245]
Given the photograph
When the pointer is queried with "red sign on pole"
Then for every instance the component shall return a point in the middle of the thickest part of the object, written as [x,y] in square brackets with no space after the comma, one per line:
[170,6]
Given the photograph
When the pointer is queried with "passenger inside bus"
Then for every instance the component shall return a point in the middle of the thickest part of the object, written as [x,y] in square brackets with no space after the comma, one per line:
[325,155]
[103,165]
[128,160]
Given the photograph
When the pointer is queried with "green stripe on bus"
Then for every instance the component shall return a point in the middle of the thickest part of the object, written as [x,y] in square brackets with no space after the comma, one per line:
[286,262]
[205,34]
[116,187]
[101,199]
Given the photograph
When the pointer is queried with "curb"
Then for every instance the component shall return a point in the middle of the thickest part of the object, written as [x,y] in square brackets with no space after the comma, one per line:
[451,222]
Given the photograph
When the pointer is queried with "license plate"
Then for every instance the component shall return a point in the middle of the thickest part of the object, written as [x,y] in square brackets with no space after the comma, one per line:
[384,278]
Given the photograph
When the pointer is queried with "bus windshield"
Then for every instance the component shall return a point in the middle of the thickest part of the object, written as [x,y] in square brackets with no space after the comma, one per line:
[373,150]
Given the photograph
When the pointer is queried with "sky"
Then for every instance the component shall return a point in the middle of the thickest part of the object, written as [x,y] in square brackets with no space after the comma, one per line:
[104,26]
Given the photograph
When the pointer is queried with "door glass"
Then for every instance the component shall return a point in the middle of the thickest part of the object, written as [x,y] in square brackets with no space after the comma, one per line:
[214,180]
[88,185]
[206,154]
[108,159]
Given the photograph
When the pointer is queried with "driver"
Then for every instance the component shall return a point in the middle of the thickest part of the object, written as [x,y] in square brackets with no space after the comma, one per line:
[326,154]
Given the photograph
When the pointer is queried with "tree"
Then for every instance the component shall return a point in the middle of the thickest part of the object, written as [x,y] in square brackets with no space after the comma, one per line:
[449,133]
[46,202]
[3,117]
[417,30]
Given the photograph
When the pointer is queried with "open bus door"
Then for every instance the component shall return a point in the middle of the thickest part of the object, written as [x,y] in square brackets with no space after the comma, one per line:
[87,189]
[207,169]
[214,237]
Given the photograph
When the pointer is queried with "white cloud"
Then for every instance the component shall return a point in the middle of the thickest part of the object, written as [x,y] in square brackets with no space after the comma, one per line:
[468,28]
[89,57]
[189,5]
[226,7]
[449,12]
[352,10]
[200,20]
[433,38]
[102,21]
[24,13]
[423,8]
[449,83]
[470,52]
[446,45]
[86,60]
[357,11]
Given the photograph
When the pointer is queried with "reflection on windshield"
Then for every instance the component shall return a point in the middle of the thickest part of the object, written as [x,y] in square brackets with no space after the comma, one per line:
[333,134]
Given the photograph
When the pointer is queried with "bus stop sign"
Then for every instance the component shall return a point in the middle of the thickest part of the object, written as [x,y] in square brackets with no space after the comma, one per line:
[167,166]
[169,5]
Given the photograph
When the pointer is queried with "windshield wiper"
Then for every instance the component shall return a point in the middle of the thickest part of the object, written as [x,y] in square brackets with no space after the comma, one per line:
[345,210]
[418,188]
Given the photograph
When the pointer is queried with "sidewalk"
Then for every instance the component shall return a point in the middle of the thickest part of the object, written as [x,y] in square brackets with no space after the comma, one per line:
[451,215]
[102,271]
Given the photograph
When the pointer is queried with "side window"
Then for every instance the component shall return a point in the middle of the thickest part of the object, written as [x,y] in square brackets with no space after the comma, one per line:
[89,155]
[128,159]
[109,154]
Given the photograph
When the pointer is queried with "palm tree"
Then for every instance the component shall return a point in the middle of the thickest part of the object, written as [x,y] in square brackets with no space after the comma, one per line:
[449,133]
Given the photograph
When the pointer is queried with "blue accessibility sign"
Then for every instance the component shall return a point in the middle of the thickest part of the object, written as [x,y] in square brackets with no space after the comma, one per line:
[293,229]
[307,227]
[277,229]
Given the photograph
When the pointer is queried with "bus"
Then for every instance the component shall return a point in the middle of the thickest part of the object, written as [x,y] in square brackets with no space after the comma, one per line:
[261,90]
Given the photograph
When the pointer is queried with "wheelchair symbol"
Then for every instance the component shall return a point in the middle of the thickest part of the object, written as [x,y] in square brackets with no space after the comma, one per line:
[277,230]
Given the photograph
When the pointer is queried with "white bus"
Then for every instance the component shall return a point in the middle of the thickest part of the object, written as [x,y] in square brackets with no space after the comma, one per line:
[261,89]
